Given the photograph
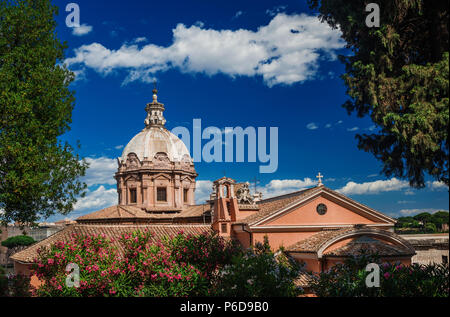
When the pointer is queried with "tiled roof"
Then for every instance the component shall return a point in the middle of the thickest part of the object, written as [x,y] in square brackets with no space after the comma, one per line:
[112,232]
[365,244]
[315,242]
[271,205]
[119,212]
[304,279]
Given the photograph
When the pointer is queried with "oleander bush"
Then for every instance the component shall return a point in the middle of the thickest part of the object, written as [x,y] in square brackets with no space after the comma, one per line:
[178,266]
[396,280]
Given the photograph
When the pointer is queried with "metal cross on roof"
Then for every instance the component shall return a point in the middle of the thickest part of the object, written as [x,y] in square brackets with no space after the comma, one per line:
[319,177]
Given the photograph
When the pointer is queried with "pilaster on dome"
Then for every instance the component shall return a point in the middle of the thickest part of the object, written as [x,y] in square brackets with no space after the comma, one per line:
[155,109]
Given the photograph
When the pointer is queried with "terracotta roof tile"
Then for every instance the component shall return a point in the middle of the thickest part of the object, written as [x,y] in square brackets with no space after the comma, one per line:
[315,242]
[366,244]
[304,279]
[119,212]
[112,232]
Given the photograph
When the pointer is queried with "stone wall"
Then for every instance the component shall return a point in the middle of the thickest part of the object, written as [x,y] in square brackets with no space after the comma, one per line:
[3,236]
[38,234]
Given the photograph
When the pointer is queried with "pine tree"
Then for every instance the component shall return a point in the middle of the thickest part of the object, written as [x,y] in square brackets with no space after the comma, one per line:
[398,75]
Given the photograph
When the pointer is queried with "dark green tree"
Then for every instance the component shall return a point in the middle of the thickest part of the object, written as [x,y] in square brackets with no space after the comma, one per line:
[18,241]
[425,217]
[398,75]
[39,173]
[439,218]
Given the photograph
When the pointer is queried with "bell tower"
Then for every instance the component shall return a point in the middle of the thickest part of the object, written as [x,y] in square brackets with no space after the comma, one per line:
[226,209]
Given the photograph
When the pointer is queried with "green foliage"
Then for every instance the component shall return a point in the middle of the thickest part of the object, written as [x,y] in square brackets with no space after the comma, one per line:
[424,217]
[18,241]
[146,267]
[258,273]
[38,172]
[396,280]
[430,227]
[14,285]
[3,282]
[440,217]
[423,222]
[398,74]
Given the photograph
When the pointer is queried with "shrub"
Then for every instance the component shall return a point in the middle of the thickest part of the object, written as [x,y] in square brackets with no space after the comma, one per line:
[178,266]
[3,282]
[14,285]
[349,279]
[18,241]
[208,252]
[257,273]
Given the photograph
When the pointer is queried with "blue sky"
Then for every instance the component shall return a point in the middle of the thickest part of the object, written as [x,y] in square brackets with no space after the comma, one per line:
[228,63]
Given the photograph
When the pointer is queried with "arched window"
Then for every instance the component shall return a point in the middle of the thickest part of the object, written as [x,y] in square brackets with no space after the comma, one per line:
[225,191]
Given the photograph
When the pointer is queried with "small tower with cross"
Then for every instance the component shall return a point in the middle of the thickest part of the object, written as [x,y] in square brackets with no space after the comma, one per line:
[155,109]
[319,177]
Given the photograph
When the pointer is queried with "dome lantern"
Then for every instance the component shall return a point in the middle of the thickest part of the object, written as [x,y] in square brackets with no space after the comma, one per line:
[155,109]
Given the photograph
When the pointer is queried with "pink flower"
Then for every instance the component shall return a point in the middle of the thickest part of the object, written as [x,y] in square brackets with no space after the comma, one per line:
[386,275]
[50,261]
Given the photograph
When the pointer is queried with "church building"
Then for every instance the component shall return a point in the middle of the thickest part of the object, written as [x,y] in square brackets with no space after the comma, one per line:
[156,191]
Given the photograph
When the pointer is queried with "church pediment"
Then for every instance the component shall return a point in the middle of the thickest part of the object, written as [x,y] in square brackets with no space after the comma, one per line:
[323,207]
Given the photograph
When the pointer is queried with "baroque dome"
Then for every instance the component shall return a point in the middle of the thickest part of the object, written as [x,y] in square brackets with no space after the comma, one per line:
[156,139]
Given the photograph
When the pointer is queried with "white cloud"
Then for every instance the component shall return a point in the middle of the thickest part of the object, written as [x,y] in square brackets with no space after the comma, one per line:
[118,147]
[412,212]
[437,185]
[97,199]
[285,51]
[238,14]
[140,39]
[409,192]
[101,171]
[353,129]
[339,122]
[80,74]
[284,186]
[275,10]
[82,30]
[312,126]
[202,190]
[328,125]
[375,187]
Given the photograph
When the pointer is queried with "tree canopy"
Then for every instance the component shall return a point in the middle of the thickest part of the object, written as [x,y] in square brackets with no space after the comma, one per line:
[18,241]
[425,220]
[39,173]
[397,75]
